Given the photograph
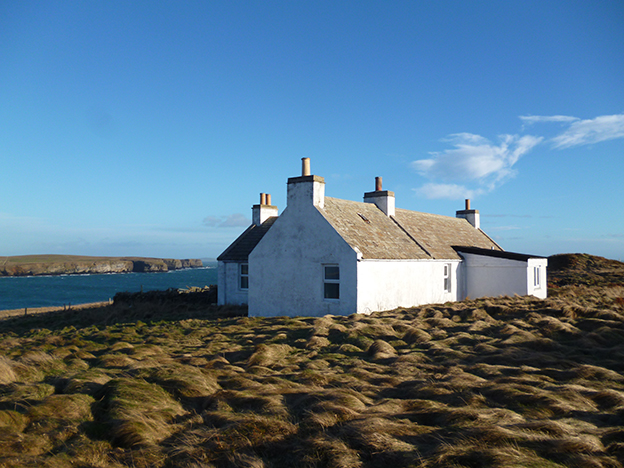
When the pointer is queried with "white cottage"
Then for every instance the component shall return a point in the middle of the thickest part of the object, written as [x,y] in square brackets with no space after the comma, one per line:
[323,256]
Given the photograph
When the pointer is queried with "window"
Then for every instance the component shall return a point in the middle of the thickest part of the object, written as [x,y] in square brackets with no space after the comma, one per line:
[331,282]
[536,277]
[447,277]
[244,276]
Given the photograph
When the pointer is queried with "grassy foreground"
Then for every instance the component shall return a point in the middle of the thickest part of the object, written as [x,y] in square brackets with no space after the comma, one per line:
[494,382]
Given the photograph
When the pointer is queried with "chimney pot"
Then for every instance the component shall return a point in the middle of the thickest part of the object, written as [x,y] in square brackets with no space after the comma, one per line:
[467,203]
[268,199]
[377,184]
[263,198]
[305,166]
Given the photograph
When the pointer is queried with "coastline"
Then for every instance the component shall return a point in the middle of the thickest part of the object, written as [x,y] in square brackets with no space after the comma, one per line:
[55,265]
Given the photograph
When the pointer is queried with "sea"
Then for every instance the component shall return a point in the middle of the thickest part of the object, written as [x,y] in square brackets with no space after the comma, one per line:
[19,292]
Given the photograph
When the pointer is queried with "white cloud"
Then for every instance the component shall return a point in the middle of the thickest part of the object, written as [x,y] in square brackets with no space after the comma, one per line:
[474,158]
[585,132]
[486,165]
[448,191]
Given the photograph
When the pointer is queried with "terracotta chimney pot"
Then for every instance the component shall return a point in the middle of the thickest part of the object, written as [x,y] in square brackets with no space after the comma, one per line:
[377,184]
[305,166]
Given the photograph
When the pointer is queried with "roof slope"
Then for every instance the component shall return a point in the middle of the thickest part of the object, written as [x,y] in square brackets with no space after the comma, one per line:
[437,234]
[367,228]
[239,250]
[407,235]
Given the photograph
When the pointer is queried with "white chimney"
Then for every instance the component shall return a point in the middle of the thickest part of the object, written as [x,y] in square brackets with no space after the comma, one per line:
[260,213]
[306,189]
[384,199]
[472,216]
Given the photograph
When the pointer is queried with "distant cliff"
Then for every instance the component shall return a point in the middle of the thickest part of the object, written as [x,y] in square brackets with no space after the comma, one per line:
[37,265]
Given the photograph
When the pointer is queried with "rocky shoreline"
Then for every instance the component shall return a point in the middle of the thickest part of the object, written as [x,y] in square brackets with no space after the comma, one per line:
[38,265]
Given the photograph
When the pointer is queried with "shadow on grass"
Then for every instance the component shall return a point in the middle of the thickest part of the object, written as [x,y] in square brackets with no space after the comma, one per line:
[118,314]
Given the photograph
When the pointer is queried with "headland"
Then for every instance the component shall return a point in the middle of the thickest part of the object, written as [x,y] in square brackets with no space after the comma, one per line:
[37,265]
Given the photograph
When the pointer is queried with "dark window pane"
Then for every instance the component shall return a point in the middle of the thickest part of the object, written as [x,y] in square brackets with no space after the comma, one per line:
[332,273]
[244,269]
[244,282]
[332,291]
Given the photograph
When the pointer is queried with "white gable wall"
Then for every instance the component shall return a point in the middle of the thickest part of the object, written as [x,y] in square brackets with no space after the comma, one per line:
[286,267]
[494,276]
[228,285]
[388,284]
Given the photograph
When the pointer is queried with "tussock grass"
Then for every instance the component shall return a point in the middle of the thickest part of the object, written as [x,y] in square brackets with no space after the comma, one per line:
[136,412]
[510,381]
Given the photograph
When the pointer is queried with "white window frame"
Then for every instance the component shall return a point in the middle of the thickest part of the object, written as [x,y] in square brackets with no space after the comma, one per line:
[330,281]
[243,274]
[537,277]
[447,277]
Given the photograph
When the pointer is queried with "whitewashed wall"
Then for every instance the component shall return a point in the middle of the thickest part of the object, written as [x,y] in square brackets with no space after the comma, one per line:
[228,290]
[388,284]
[493,276]
[286,267]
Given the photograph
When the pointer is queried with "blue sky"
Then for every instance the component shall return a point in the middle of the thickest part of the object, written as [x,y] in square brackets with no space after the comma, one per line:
[150,128]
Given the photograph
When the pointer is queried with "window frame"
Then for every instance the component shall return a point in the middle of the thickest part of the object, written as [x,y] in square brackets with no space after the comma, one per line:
[446,275]
[537,277]
[243,276]
[330,281]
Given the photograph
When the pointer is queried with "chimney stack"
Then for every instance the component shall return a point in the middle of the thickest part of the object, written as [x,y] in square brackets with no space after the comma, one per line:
[260,213]
[307,189]
[384,199]
[472,216]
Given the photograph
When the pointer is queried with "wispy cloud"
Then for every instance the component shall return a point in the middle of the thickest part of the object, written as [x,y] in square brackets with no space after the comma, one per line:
[581,132]
[531,119]
[476,165]
[448,191]
[233,220]
[586,132]
[504,228]
[473,158]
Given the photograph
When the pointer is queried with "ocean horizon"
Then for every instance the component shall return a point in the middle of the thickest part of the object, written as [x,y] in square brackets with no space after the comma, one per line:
[19,292]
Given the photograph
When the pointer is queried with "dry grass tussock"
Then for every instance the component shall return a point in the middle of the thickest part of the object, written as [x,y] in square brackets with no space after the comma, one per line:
[512,381]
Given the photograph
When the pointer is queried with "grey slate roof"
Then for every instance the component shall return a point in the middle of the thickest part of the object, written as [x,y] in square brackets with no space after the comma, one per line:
[407,235]
[239,250]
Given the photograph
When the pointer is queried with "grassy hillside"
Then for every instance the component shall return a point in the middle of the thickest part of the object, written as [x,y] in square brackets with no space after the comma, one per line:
[492,382]
[22,259]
